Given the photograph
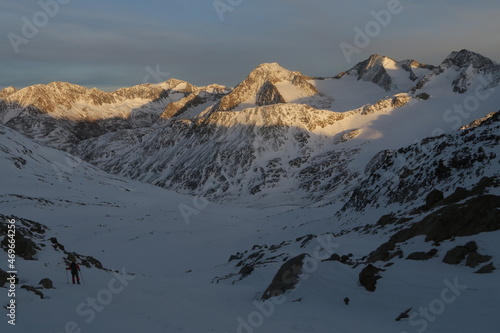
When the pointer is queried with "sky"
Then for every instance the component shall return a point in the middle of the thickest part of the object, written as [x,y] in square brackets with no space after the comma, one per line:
[110,44]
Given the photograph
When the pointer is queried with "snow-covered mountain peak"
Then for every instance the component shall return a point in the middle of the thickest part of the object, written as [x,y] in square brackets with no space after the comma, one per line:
[48,97]
[466,69]
[389,74]
[7,91]
[215,89]
[465,58]
[273,72]
[268,83]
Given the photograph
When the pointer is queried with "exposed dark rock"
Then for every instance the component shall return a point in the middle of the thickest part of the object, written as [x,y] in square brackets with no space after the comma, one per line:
[346,301]
[305,240]
[56,244]
[268,94]
[26,232]
[346,259]
[89,261]
[3,277]
[46,283]
[475,259]
[423,96]
[333,257]
[386,219]
[25,247]
[464,58]
[456,255]
[422,255]
[236,256]
[383,252]
[486,269]
[33,289]
[246,270]
[478,214]
[471,246]
[286,278]
[433,198]
[368,277]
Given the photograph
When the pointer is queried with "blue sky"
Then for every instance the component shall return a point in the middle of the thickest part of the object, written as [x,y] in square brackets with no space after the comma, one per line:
[110,44]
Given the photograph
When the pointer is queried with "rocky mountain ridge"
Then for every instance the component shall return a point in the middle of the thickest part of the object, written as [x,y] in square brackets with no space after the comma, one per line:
[277,133]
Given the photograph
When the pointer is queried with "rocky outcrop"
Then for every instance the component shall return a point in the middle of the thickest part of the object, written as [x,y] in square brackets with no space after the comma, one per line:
[456,255]
[456,220]
[394,102]
[422,255]
[486,269]
[476,215]
[34,290]
[410,173]
[286,278]
[369,276]
[46,283]
[268,94]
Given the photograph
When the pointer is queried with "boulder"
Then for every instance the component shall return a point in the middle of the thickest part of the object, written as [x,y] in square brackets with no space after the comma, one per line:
[456,255]
[286,278]
[368,277]
[486,269]
[475,259]
[33,290]
[471,246]
[46,283]
[422,255]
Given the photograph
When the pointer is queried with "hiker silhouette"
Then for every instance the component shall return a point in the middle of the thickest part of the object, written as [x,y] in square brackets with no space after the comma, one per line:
[75,268]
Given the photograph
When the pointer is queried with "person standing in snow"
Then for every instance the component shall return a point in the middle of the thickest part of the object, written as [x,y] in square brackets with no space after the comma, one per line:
[75,268]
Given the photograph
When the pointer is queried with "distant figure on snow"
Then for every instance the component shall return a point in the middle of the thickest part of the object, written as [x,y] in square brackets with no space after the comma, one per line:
[74,271]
